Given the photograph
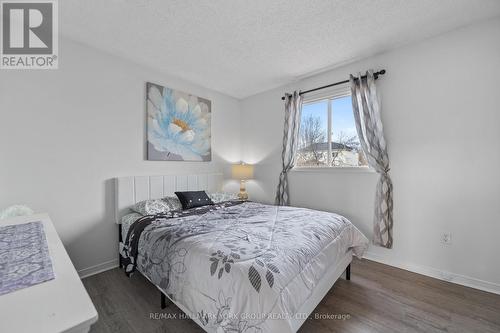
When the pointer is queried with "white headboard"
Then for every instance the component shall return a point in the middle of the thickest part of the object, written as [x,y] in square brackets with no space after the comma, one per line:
[130,190]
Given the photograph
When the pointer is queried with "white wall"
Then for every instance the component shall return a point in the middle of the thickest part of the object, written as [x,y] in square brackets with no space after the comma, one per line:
[64,135]
[442,124]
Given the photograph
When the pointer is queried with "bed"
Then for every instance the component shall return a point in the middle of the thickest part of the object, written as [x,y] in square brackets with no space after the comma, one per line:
[235,266]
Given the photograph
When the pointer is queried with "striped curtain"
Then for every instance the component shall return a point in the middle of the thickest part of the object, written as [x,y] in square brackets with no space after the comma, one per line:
[366,108]
[293,109]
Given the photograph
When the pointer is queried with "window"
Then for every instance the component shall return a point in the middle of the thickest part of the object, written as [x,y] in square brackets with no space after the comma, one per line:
[328,136]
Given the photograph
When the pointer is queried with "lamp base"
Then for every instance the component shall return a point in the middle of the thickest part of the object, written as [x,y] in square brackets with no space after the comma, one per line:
[243,195]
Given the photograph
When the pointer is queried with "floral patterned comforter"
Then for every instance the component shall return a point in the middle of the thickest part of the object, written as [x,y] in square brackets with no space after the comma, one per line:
[244,267]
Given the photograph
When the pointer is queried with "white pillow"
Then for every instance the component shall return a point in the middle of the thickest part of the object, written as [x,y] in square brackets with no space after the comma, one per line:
[218,197]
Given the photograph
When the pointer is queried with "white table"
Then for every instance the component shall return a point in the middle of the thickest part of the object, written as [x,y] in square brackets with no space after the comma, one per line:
[58,305]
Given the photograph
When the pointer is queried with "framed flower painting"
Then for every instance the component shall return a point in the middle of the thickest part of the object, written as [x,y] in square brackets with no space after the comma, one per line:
[178,126]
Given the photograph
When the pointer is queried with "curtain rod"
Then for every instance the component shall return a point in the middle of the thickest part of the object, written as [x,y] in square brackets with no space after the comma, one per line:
[375,75]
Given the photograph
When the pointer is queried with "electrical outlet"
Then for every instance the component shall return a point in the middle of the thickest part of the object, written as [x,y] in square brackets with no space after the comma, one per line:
[446,238]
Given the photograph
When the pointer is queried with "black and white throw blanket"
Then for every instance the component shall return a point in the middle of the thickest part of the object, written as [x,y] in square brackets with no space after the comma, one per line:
[240,267]
[135,231]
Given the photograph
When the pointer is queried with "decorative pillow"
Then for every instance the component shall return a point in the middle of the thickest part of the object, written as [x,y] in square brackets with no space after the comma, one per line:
[217,197]
[191,199]
[151,207]
[173,203]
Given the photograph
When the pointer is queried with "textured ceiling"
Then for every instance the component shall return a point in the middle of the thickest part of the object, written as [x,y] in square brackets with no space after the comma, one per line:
[242,47]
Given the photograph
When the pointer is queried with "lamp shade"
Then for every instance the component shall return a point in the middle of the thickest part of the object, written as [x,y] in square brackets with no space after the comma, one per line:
[242,171]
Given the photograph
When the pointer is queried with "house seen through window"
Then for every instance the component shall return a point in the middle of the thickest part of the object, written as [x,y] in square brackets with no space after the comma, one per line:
[328,136]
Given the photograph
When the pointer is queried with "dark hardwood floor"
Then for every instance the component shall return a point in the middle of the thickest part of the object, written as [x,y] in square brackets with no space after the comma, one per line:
[378,298]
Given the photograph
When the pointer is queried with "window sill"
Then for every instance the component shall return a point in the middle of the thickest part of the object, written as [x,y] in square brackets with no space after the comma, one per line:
[334,169]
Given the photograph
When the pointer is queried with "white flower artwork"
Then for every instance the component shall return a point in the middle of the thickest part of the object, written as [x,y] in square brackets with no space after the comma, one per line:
[179,125]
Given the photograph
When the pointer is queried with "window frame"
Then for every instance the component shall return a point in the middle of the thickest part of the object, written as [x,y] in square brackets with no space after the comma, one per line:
[329,95]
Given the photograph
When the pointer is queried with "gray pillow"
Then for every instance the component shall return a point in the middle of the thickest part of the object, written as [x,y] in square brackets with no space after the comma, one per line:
[173,203]
[223,196]
[151,207]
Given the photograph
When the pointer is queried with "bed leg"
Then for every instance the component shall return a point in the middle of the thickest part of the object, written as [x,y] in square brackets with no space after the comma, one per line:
[348,272]
[163,300]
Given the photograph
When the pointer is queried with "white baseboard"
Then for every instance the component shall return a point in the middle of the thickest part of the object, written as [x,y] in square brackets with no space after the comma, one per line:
[99,268]
[438,274]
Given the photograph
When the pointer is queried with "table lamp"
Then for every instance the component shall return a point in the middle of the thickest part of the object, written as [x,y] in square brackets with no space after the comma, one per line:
[242,172]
